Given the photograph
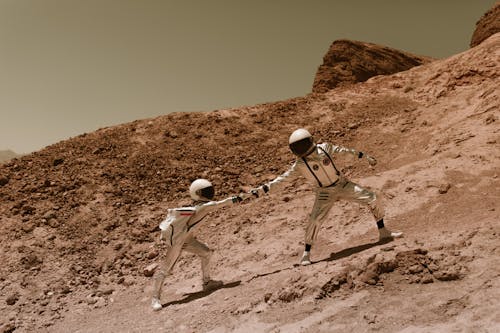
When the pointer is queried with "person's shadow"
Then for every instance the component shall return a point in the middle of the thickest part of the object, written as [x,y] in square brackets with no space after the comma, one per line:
[189,297]
[352,250]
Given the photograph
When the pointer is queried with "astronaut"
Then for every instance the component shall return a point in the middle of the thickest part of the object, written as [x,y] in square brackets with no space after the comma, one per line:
[315,163]
[177,231]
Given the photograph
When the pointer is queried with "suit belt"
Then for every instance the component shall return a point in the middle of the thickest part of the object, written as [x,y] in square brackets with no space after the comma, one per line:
[332,184]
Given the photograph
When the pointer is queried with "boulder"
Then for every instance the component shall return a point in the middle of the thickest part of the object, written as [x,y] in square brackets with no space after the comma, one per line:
[488,24]
[348,62]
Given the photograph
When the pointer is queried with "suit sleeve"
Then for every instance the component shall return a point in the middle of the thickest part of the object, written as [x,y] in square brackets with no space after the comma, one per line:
[282,179]
[333,149]
[214,205]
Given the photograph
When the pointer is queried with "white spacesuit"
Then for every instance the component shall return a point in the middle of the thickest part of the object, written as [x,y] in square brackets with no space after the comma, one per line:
[315,163]
[177,231]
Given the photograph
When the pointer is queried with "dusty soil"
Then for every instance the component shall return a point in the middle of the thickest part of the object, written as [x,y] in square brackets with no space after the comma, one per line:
[79,219]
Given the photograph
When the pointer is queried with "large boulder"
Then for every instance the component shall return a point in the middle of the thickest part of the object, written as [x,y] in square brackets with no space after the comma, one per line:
[488,24]
[348,62]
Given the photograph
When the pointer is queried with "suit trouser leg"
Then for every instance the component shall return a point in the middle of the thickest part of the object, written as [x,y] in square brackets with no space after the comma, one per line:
[194,246]
[353,192]
[166,266]
[345,190]
[322,205]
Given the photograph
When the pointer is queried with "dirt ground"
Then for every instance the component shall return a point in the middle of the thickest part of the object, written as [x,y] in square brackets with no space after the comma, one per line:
[79,219]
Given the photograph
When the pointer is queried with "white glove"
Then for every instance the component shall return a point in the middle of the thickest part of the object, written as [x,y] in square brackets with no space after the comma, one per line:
[261,190]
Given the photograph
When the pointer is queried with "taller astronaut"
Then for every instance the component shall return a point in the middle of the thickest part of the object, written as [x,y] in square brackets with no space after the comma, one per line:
[315,163]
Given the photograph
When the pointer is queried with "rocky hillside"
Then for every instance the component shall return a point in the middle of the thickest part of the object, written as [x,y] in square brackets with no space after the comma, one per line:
[78,231]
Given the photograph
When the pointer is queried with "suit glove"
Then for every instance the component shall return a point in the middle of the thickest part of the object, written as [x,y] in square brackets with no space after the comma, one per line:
[261,190]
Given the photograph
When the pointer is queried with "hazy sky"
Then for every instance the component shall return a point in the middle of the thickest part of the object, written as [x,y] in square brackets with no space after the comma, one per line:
[72,66]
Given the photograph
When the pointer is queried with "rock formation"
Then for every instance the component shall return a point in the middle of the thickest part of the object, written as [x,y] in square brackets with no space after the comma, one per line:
[348,62]
[488,24]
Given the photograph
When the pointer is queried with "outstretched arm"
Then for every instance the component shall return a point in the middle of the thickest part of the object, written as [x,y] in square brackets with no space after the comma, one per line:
[276,183]
[333,149]
[213,205]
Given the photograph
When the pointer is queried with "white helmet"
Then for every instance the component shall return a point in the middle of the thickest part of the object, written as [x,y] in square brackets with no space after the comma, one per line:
[301,142]
[201,190]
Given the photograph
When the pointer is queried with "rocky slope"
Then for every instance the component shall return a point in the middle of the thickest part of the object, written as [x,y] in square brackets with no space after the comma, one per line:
[79,219]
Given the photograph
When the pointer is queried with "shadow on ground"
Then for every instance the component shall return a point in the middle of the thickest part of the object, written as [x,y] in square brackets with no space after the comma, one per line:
[352,250]
[189,297]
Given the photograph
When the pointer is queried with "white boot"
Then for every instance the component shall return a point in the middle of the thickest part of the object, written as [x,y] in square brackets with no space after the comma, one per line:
[386,234]
[155,304]
[305,260]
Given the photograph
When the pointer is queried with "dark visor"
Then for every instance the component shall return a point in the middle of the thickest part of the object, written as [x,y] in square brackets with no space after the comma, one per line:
[207,192]
[302,147]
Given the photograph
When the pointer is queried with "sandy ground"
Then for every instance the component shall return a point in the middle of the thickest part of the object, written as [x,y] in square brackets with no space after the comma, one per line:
[79,219]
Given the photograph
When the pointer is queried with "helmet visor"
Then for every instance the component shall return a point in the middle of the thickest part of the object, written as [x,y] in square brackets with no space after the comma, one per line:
[207,192]
[302,147]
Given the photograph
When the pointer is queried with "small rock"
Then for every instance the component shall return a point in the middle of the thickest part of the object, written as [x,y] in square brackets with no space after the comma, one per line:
[91,301]
[388,248]
[444,188]
[172,134]
[49,215]
[490,119]
[108,291]
[3,181]
[65,290]
[53,223]
[12,299]
[416,269]
[153,254]
[259,169]
[100,302]
[243,309]
[58,161]
[28,227]
[447,276]
[8,328]
[427,279]
[289,295]
[371,319]
[118,246]
[128,282]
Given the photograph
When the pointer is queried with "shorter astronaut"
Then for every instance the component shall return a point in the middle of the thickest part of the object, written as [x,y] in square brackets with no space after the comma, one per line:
[177,231]
[315,163]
